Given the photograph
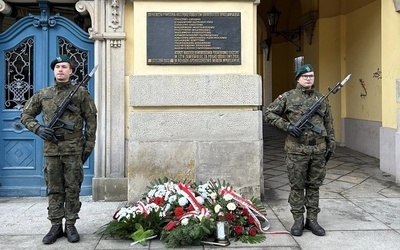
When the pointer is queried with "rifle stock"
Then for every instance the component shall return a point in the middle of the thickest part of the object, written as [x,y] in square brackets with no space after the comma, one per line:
[65,104]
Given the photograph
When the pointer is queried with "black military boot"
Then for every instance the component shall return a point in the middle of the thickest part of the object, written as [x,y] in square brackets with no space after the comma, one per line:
[54,233]
[71,233]
[297,228]
[314,227]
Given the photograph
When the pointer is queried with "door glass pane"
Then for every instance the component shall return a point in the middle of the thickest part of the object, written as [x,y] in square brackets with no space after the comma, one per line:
[18,75]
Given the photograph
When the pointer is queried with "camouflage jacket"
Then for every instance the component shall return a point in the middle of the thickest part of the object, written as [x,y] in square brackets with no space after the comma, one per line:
[84,120]
[288,109]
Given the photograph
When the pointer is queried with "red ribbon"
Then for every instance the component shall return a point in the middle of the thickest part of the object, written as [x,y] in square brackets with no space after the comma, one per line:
[188,194]
[142,208]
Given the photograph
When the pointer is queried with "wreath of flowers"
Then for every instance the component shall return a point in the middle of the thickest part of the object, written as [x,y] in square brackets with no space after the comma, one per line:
[184,213]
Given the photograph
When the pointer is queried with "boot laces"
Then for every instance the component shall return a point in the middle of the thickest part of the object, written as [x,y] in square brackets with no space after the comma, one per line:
[71,229]
[54,229]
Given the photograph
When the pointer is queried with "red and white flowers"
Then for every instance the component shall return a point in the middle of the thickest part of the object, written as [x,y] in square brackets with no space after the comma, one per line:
[185,214]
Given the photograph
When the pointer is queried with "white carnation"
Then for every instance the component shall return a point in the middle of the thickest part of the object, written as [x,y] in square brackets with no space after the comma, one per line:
[172,198]
[202,188]
[160,193]
[183,201]
[231,206]
[228,197]
[185,221]
[151,193]
[161,187]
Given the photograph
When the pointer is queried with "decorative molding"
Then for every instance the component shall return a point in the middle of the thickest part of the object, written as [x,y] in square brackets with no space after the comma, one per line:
[107,19]
[5,8]
[87,7]
[44,20]
[116,15]
[115,43]
[110,152]
[84,7]
[115,39]
[115,23]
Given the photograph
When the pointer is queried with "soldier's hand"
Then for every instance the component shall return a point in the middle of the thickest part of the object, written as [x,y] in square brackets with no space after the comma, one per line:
[45,133]
[294,131]
[85,156]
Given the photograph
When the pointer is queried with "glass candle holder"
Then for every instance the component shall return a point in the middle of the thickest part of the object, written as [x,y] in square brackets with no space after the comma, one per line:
[222,231]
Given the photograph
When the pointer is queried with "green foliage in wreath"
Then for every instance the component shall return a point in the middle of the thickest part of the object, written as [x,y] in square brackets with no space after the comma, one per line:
[251,239]
[125,228]
[191,234]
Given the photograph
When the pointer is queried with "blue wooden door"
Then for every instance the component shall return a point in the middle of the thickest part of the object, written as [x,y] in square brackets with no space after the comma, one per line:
[26,50]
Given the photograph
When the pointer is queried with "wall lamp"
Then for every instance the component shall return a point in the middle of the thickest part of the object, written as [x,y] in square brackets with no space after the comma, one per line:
[294,35]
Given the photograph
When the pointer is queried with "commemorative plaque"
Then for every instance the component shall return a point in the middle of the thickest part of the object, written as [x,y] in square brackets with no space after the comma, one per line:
[179,38]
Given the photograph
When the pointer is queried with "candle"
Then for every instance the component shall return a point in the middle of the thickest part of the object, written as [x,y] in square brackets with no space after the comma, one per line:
[221,230]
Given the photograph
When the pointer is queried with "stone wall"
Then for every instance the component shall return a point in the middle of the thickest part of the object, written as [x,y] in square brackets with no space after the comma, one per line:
[195,127]
[362,136]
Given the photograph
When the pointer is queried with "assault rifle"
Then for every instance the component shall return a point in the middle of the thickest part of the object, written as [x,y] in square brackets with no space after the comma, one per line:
[305,122]
[55,120]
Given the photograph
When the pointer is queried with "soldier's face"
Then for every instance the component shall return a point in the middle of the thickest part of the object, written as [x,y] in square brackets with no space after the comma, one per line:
[306,80]
[62,72]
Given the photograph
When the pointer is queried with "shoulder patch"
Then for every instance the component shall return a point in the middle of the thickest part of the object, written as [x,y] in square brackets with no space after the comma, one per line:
[280,97]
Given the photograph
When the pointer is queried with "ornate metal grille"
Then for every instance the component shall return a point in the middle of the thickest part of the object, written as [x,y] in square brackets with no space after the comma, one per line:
[79,59]
[19,75]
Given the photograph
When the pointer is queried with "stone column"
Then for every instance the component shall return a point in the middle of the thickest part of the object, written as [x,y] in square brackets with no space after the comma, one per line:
[109,182]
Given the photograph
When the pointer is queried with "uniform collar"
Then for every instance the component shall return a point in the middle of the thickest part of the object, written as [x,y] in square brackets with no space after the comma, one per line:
[304,90]
[62,85]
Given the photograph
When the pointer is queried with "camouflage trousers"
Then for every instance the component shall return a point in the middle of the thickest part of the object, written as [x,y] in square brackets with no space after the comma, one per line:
[306,174]
[63,176]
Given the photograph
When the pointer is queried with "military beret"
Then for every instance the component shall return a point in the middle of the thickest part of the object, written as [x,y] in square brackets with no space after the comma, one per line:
[303,69]
[60,59]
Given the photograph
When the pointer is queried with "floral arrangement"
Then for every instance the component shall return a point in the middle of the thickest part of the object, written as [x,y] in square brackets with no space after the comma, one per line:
[246,218]
[184,213]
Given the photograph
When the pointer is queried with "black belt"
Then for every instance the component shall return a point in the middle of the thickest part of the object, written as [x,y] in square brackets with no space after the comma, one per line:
[311,142]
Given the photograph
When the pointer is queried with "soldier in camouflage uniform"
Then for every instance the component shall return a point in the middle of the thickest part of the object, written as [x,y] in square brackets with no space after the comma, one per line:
[306,150]
[63,170]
